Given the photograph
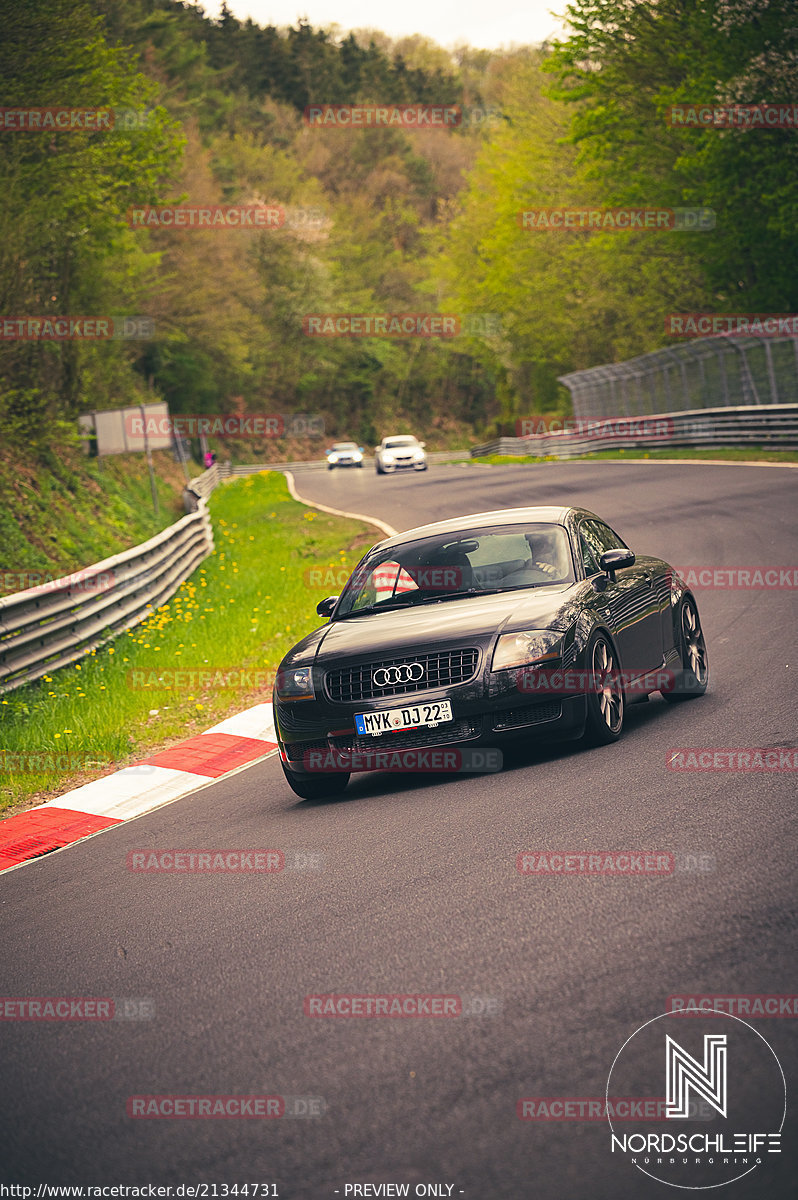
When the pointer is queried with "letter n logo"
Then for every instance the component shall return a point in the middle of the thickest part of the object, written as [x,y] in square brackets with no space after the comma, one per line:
[684,1072]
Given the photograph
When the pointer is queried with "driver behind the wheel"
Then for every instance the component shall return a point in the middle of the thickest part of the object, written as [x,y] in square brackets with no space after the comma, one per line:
[545,563]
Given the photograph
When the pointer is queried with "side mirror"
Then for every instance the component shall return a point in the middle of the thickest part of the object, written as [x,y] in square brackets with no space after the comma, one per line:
[614,560]
[324,607]
[422,444]
[362,451]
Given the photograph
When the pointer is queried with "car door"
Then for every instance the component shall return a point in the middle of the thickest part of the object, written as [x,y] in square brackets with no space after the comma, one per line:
[629,603]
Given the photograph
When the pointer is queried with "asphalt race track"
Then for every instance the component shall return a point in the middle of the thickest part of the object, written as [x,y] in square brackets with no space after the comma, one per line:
[418,892]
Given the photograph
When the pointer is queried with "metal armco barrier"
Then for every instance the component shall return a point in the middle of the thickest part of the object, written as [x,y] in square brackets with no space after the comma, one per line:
[772,426]
[204,484]
[56,623]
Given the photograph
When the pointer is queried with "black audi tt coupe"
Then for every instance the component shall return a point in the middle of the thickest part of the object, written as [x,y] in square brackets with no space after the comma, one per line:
[525,625]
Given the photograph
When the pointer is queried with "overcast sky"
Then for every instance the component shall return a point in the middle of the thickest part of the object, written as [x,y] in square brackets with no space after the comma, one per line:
[487,24]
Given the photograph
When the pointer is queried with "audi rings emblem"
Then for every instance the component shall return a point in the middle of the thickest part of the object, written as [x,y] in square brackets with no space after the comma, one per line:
[391,676]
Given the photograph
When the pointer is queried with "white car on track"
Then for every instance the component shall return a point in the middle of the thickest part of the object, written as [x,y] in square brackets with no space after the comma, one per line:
[399,452]
[344,454]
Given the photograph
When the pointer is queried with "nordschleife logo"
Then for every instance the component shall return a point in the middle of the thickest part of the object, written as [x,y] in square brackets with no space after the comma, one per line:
[714,1066]
[684,1074]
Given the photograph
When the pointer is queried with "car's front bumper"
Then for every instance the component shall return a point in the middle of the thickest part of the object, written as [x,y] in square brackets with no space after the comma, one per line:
[410,464]
[306,727]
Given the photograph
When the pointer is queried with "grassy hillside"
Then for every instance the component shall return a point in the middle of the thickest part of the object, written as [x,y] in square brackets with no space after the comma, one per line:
[60,511]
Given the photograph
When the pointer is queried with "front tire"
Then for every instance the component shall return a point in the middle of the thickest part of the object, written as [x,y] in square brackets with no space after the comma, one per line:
[691,681]
[316,789]
[606,703]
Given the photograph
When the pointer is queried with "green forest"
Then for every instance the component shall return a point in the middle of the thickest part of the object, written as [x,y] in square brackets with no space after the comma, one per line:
[383,219]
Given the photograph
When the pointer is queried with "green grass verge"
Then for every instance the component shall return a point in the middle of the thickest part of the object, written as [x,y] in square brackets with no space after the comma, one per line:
[210,651]
[60,511]
[716,453]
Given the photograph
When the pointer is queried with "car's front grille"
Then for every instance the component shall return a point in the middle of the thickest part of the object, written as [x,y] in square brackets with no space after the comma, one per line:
[530,714]
[411,739]
[347,685]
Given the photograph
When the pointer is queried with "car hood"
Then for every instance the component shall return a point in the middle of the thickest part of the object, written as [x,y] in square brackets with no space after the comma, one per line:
[446,622]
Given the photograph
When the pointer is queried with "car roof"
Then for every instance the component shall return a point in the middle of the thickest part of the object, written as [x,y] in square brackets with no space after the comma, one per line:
[389,437]
[541,514]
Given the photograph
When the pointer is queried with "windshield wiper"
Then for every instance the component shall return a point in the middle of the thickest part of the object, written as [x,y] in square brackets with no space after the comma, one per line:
[463,592]
[478,591]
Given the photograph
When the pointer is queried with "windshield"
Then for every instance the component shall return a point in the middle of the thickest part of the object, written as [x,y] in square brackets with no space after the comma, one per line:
[440,568]
[344,446]
[393,443]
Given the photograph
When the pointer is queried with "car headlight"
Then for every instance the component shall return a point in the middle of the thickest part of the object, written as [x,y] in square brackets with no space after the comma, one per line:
[357,457]
[418,455]
[332,458]
[295,684]
[523,649]
[386,457]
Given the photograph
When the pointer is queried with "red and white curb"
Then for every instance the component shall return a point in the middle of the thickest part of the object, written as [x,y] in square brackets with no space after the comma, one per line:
[235,742]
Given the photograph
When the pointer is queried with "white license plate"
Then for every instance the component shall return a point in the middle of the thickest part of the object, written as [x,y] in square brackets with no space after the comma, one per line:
[413,717]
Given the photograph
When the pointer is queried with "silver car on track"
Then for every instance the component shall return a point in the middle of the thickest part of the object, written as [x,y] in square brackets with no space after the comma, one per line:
[399,452]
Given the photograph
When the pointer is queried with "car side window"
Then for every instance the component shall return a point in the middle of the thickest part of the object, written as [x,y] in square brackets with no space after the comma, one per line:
[386,581]
[590,549]
[605,537]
